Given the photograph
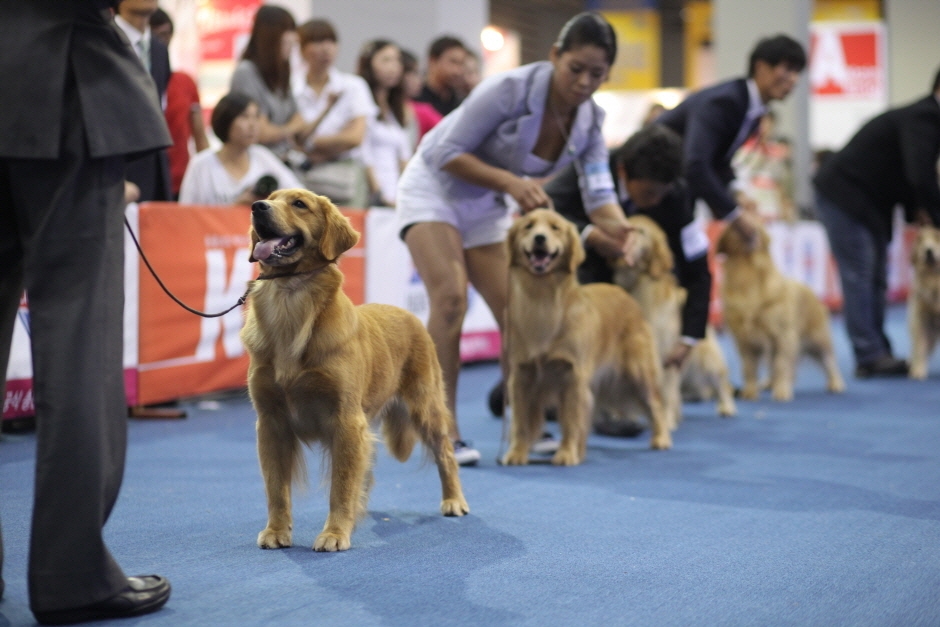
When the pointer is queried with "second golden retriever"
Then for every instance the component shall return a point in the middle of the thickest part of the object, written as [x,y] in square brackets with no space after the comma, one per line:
[322,369]
[923,301]
[571,346]
[771,316]
[651,281]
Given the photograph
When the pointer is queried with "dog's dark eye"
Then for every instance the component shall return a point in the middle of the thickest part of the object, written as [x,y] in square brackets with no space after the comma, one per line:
[555,227]
[299,204]
[528,226]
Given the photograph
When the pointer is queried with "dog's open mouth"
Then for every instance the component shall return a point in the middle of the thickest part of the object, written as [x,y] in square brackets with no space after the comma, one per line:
[273,245]
[540,258]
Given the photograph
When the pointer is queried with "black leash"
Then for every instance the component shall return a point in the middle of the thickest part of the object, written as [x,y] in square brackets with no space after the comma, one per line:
[241,301]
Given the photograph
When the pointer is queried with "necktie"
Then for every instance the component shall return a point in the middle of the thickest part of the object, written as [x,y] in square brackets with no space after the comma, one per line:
[143,51]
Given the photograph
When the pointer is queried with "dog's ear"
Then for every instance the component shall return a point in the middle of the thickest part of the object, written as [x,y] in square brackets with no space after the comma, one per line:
[511,236]
[576,256]
[916,245]
[724,241]
[254,239]
[338,234]
[661,260]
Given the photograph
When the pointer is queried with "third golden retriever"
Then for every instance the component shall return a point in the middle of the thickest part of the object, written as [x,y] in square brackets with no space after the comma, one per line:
[771,316]
[923,303]
[571,346]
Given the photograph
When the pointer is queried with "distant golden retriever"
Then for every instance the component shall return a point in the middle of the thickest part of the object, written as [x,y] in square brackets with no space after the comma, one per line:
[651,281]
[923,301]
[772,317]
[321,370]
[571,346]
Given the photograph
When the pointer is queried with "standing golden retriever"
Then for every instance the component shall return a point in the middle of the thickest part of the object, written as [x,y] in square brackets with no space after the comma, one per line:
[923,300]
[571,346]
[772,317]
[322,369]
[650,280]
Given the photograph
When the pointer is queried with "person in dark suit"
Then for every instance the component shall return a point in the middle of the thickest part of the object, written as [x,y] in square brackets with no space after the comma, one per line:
[68,119]
[891,160]
[646,173]
[715,122]
[151,172]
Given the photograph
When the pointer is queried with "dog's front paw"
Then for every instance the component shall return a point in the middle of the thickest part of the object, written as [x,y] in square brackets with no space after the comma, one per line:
[782,394]
[749,393]
[918,372]
[727,409]
[661,442]
[516,457]
[330,542]
[271,539]
[836,385]
[454,507]
[565,457]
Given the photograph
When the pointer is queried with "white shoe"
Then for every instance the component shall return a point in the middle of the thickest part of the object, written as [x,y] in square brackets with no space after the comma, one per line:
[465,455]
[546,445]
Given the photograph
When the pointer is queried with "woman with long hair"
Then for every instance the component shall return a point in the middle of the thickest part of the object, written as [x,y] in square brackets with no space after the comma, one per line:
[387,147]
[263,74]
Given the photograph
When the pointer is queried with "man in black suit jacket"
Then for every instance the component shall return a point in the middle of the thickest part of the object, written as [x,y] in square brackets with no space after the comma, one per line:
[891,160]
[75,102]
[151,172]
[715,122]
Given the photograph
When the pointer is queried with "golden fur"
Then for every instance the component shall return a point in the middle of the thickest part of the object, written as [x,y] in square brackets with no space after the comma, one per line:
[651,281]
[772,317]
[571,346]
[923,301]
[322,370]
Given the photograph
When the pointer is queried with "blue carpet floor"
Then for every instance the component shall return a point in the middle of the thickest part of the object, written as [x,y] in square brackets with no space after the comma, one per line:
[824,511]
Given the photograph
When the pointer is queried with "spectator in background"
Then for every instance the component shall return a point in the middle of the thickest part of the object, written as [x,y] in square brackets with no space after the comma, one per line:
[891,160]
[715,122]
[763,167]
[471,73]
[335,107]
[445,74]
[652,114]
[150,174]
[183,111]
[387,147]
[515,128]
[425,116]
[241,171]
[62,151]
[263,74]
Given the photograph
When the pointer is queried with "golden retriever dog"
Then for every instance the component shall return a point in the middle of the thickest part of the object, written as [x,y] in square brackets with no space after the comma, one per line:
[923,300]
[771,316]
[569,346]
[321,370]
[651,281]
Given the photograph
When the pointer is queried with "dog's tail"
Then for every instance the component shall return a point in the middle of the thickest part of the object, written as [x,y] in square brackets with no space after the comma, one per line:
[400,436]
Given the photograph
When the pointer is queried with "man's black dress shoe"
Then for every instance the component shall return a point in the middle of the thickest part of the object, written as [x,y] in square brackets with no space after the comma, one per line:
[619,428]
[2,586]
[886,366]
[144,594]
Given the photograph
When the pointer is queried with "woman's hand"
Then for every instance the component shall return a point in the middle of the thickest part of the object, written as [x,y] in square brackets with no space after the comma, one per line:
[529,194]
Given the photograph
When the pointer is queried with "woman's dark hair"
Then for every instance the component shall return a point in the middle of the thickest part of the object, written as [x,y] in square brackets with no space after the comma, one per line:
[396,95]
[409,62]
[264,46]
[313,31]
[936,83]
[654,152]
[775,50]
[588,28]
[229,107]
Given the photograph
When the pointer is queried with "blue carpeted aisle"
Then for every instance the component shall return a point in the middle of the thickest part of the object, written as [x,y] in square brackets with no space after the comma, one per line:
[824,511]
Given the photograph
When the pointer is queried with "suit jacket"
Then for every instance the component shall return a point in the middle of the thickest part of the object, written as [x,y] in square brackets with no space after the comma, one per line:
[708,122]
[892,159]
[673,214]
[36,43]
[151,172]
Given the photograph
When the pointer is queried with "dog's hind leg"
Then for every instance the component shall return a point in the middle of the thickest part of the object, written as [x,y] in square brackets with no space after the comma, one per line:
[784,356]
[351,454]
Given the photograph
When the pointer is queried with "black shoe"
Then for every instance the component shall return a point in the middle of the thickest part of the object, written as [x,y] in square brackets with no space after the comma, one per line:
[886,366]
[2,586]
[144,594]
[619,428]
[497,399]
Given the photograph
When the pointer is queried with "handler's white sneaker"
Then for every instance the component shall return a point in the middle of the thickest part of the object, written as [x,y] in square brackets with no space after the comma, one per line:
[466,456]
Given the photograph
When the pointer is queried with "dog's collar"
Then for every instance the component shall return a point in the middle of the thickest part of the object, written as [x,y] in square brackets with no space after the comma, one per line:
[285,275]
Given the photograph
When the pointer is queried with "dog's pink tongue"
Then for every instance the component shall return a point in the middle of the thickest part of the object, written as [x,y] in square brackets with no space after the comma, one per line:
[263,249]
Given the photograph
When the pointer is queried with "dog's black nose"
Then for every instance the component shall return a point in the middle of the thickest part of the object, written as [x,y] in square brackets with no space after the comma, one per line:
[540,240]
[259,205]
